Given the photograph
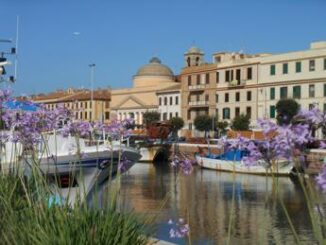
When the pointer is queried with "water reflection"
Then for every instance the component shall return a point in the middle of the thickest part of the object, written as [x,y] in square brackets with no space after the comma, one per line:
[207,198]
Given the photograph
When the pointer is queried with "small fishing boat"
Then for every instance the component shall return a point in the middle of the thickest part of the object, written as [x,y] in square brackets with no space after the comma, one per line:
[231,161]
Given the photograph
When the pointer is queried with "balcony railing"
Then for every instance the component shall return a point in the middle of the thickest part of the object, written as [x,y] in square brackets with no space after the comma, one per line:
[197,87]
[198,103]
[236,83]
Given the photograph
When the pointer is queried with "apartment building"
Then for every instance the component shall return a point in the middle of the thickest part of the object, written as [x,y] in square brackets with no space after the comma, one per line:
[238,83]
[86,105]
[300,75]
[169,102]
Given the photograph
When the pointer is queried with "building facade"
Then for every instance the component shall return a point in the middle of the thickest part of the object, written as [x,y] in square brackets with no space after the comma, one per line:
[134,102]
[85,105]
[237,83]
[169,102]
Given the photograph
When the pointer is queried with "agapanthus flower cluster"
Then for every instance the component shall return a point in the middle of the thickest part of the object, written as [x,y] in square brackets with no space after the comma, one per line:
[27,126]
[117,129]
[182,163]
[179,228]
[124,163]
[77,128]
[4,96]
[321,179]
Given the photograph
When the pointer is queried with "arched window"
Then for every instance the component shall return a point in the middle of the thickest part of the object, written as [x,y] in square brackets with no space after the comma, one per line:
[188,61]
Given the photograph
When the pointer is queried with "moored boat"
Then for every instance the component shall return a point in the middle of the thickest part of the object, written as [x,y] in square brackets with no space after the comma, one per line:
[231,161]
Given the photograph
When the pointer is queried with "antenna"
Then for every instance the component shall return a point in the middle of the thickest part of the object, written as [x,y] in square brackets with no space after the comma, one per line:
[16,47]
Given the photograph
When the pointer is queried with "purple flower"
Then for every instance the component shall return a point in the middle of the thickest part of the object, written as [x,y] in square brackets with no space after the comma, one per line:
[179,229]
[183,163]
[321,179]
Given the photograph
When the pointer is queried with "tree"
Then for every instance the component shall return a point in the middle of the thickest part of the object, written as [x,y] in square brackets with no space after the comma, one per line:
[176,124]
[203,123]
[286,110]
[241,122]
[221,126]
[150,117]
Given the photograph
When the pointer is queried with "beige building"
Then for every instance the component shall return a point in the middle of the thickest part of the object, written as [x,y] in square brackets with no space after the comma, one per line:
[300,75]
[134,102]
[80,101]
[236,83]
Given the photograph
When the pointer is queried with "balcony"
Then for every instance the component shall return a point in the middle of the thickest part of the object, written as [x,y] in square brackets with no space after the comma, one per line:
[198,103]
[197,87]
[236,83]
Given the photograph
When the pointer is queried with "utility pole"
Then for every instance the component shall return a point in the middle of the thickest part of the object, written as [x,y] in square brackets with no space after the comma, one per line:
[92,66]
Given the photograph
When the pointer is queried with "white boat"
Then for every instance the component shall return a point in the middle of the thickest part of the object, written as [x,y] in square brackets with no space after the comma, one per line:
[71,166]
[223,162]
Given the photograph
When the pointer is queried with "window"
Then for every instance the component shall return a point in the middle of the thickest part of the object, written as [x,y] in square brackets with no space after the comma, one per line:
[160,101]
[227,76]
[226,97]
[85,115]
[171,101]
[285,68]
[164,116]
[249,73]
[171,115]
[216,97]
[165,101]
[207,78]
[237,111]
[226,113]
[311,106]
[198,79]
[249,95]
[189,80]
[217,77]
[248,111]
[324,89]
[177,100]
[324,107]
[90,115]
[311,91]
[272,94]
[238,75]
[311,65]
[284,92]
[207,97]
[176,114]
[107,115]
[272,111]
[197,97]
[188,115]
[298,67]
[237,96]
[297,92]
[272,70]
[325,64]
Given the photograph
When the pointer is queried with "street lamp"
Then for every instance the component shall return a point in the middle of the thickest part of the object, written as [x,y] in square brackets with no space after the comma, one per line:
[92,66]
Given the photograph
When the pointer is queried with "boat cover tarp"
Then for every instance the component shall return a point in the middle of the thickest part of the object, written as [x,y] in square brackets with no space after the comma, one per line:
[20,105]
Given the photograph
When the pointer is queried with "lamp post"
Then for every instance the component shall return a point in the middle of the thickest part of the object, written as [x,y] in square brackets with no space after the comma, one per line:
[92,66]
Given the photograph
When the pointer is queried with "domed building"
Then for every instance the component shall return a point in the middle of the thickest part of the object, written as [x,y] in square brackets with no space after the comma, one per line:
[150,79]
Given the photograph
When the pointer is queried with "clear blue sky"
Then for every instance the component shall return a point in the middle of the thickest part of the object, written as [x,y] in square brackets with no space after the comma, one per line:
[120,36]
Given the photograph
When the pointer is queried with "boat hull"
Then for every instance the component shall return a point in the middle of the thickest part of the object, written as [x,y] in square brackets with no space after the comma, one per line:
[283,167]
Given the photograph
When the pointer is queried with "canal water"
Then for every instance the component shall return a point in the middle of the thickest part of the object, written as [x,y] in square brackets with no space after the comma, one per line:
[207,199]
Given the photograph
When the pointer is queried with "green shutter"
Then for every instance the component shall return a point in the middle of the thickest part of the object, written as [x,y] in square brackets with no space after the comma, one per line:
[324,64]
[298,67]
[284,92]
[285,68]
[324,89]
[272,111]
[296,92]
[273,70]
[272,94]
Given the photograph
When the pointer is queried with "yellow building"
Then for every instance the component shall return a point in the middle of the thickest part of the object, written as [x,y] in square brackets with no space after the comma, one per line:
[142,97]
[80,101]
